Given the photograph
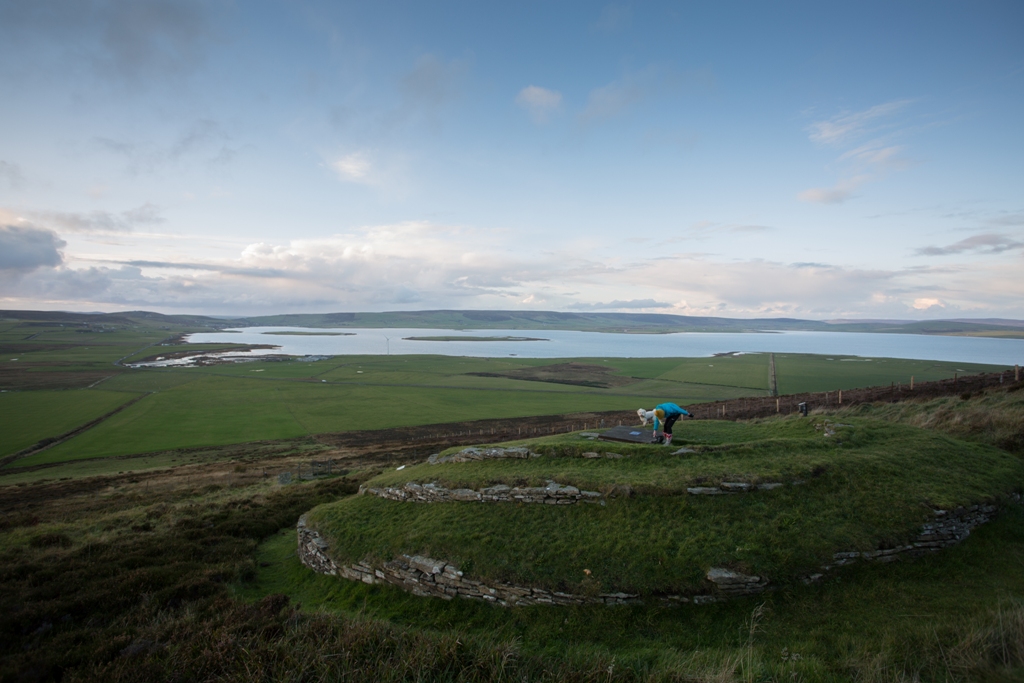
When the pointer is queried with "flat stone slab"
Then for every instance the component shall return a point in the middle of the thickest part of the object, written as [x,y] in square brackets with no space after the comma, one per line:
[628,435]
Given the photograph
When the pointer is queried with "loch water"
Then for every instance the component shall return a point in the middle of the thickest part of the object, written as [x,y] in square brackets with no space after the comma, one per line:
[573,344]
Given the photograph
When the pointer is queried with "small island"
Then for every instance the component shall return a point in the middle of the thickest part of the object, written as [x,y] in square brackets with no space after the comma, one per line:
[314,334]
[474,339]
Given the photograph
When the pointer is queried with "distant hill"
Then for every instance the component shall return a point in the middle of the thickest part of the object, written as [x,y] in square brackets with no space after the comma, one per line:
[649,323]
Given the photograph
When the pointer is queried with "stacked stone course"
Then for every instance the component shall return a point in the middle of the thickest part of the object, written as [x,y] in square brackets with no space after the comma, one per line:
[727,487]
[948,528]
[733,584]
[552,494]
[483,453]
[426,576]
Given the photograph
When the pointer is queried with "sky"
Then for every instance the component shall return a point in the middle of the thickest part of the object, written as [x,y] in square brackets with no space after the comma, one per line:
[742,159]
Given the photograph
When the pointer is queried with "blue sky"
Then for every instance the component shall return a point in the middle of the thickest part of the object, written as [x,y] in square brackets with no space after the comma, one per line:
[740,159]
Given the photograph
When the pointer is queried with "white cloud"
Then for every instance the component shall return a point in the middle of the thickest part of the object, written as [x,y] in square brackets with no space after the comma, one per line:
[540,103]
[203,141]
[876,153]
[866,162]
[1012,219]
[100,221]
[836,194]
[844,126]
[632,304]
[354,167]
[924,303]
[988,243]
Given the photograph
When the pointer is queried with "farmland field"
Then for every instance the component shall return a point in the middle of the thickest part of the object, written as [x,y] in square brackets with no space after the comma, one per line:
[28,417]
[221,404]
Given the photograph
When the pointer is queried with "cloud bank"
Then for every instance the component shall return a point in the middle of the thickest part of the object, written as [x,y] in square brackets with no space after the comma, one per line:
[425,265]
[25,248]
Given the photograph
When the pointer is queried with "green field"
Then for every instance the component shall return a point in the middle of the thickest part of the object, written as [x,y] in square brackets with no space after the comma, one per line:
[28,417]
[224,404]
[282,399]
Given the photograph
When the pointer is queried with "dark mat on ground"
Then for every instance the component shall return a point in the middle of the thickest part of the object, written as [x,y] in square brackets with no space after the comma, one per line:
[628,434]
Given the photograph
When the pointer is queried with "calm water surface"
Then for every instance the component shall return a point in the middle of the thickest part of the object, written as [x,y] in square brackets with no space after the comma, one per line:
[569,344]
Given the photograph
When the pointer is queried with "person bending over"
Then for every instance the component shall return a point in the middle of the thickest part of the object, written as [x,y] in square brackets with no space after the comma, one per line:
[664,416]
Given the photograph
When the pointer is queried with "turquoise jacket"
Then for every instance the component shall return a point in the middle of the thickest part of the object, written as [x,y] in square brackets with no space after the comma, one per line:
[670,410]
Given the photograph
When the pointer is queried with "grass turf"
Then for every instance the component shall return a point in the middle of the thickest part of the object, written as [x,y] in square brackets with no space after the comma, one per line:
[870,484]
[28,417]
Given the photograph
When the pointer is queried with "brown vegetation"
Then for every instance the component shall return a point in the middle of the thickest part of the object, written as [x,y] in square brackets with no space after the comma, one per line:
[577,374]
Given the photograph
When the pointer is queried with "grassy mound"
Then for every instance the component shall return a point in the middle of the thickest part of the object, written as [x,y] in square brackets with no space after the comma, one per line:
[860,484]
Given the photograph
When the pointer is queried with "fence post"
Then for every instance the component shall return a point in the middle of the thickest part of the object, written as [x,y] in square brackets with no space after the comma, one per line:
[911,382]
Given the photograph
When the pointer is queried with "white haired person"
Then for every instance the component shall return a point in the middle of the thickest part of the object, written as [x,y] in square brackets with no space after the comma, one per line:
[664,416]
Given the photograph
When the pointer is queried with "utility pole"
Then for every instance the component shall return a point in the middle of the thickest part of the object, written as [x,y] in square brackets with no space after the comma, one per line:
[773,387]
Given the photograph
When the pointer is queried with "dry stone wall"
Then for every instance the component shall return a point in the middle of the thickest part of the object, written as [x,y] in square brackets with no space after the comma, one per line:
[429,577]
[948,528]
[552,494]
[727,487]
[483,453]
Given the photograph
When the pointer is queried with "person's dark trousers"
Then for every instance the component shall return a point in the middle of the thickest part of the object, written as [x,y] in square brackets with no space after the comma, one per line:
[669,421]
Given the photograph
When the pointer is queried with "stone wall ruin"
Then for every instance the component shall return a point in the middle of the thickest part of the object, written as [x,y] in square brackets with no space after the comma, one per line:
[427,576]
[552,494]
